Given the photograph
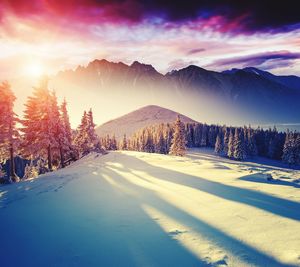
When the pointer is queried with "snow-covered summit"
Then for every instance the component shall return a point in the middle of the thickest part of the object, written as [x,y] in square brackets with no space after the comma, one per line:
[140,118]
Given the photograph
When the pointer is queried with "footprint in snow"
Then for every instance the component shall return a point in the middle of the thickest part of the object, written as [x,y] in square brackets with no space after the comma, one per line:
[176,232]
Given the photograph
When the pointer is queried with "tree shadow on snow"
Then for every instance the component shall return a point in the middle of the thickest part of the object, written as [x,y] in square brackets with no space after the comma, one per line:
[146,196]
[279,206]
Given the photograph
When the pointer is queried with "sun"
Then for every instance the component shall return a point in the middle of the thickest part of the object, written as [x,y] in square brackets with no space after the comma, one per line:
[34,69]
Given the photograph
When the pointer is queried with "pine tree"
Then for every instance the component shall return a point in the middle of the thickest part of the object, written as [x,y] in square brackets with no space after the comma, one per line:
[218,145]
[203,141]
[251,142]
[239,146]
[161,142]
[40,124]
[230,152]
[289,150]
[297,149]
[59,132]
[178,147]
[66,125]
[93,139]
[81,138]
[123,145]
[225,140]
[9,135]
[113,145]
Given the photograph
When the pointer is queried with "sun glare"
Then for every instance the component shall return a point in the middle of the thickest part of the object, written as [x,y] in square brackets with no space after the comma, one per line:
[34,69]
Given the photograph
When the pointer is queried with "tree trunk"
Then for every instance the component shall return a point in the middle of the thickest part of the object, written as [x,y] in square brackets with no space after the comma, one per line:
[62,163]
[12,174]
[49,158]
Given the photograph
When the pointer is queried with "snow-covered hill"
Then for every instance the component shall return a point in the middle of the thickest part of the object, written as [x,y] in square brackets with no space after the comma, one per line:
[133,121]
[138,209]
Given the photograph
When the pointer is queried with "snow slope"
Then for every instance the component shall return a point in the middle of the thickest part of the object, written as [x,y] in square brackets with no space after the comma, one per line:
[139,209]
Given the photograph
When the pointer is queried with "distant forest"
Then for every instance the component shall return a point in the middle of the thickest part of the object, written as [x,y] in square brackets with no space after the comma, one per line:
[238,143]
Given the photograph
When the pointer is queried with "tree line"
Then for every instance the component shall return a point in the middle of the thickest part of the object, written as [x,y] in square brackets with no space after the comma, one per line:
[44,135]
[238,143]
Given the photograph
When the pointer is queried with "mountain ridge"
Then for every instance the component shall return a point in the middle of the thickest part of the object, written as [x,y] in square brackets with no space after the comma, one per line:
[251,95]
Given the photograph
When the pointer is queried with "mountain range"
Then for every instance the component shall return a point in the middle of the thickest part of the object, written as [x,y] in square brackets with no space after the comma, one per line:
[235,96]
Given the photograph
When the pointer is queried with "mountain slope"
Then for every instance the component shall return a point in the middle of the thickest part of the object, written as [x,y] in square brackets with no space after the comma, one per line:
[133,121]
[138,209]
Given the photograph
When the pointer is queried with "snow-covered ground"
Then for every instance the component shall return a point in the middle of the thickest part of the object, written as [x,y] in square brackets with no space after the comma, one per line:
[139,209]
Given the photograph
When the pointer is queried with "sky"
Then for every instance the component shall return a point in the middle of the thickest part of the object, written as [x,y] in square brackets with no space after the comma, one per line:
[49,35]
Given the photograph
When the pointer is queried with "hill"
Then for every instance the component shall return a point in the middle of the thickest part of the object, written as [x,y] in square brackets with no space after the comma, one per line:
[133,121]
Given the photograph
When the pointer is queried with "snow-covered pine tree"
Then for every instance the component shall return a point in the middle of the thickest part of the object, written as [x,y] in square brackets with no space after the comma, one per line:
[40,124]
[93,139]
[251,142]
[218,145]
[297,144]
[113,145]
[67,147]
[178,147]
[239,146]
[189,128]
[169,137]
[9,135]
[230,152]
[123,144]
[59,132]
[161,142]
[203,141]
[289,155]
[225,140]
[81,138]
[149,144]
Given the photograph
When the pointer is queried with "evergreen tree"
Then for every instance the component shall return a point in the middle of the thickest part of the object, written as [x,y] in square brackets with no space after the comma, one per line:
[225,140]
[123,145]
[218,145]
[93,139]
[203,141]
[178,147]
[67,130]
[59,131]
[161,142]
[81,140]
[40,124]
[289,150]
[251,142]
[9,135]
[230,152]
[113,145]
[297,149]
[239,146]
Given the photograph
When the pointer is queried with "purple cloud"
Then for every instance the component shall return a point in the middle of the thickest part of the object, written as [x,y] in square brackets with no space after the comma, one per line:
[267,61]
[223,15]
[195,51]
